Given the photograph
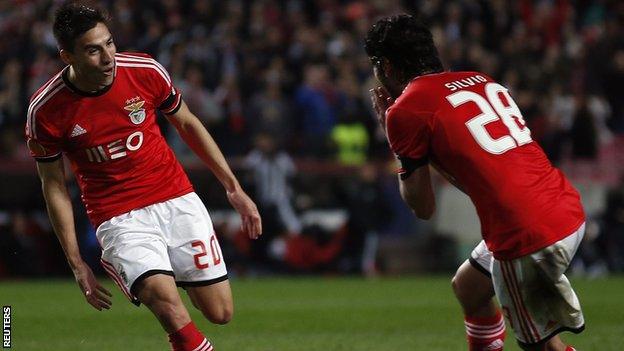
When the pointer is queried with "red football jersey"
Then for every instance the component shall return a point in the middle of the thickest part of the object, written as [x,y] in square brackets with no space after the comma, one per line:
[469,126]
[111,138]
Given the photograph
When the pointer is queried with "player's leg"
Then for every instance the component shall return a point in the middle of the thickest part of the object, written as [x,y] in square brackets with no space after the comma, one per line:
[134,254]
[556,344]
[214,301]
[485,326]
[474,291]
[524,310]
[197,260]
[159,293]
[537,298]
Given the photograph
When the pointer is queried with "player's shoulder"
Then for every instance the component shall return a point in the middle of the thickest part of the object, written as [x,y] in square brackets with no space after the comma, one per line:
[441,82]
[48,87]
[135,60]
[419,94]
[131,54]
[140,63]
[48,98]
[134,57]
[454,81]
[429,91]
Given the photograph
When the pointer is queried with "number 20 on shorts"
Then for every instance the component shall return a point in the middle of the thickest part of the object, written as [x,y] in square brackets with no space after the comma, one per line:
[214,251]
[492,110]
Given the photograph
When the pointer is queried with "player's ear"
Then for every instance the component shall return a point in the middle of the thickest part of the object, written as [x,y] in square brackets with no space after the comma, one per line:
[66,56]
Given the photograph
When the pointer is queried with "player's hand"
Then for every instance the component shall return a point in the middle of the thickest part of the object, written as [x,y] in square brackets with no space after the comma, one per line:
[246,208]
[95,294]
[381,100]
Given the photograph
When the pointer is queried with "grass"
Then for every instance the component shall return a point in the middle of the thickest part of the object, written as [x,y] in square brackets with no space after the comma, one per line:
[330,314]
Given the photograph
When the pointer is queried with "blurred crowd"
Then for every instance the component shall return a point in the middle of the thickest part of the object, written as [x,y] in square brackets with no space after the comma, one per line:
[285,83]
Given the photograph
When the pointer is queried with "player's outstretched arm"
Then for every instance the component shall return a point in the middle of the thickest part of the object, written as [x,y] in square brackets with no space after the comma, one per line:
[199,140]
[61,215]
[417,192]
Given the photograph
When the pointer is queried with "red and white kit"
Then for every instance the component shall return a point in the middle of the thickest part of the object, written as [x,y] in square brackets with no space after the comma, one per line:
[470,128]
[116,150]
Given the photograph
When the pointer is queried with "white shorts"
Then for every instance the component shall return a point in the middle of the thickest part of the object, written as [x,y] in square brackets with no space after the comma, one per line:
[535,295]
[481,258]
[174,237]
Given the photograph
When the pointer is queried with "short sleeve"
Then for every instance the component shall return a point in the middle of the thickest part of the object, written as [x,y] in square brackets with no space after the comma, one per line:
[43,141]
[167,98]
[409,134]
[171,104]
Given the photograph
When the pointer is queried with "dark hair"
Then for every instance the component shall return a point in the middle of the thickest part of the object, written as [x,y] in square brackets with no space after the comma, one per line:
[73,19]
[406,42]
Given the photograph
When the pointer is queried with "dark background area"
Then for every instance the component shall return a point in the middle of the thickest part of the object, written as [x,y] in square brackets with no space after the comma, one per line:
[283,86]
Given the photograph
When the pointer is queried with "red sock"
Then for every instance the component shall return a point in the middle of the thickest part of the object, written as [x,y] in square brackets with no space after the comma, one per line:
[189,339]
[485,333]
[570,348]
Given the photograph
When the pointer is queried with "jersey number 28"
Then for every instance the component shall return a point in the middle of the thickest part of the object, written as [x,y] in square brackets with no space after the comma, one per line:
[492,109]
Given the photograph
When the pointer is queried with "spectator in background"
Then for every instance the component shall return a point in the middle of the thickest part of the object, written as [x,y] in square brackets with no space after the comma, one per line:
[577,45]
[232,132]
[11,90]
[269,112]
[612,235]
[17,254]
[584,135]
[368,214]
[255,59]
[350,140]
[314,99]
[198,99]
[613,91]
[351,136]
[560,119]
[587,133]
[272,171]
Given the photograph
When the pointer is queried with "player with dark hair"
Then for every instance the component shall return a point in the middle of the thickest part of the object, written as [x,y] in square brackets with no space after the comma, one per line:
[155,233]
[468,127]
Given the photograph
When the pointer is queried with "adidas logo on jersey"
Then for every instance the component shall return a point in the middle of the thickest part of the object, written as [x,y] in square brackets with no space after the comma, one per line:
[78,130]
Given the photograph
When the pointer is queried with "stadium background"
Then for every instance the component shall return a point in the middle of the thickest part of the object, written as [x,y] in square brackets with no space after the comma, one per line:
[283,88]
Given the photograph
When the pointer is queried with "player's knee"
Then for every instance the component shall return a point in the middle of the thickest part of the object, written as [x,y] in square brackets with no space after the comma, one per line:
[555,344]
[166,308]
[221,315]
[457,284]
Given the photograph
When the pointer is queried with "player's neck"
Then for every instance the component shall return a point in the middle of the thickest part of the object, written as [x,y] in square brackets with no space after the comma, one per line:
[423,73]
[83,84]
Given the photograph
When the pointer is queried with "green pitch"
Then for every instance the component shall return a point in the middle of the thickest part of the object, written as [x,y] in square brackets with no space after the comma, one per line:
[330,314]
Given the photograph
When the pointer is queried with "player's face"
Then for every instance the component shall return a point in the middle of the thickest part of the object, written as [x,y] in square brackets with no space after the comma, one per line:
[93,58]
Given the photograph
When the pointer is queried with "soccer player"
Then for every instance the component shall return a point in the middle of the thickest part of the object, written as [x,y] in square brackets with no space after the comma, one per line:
[468,127]
[155,233]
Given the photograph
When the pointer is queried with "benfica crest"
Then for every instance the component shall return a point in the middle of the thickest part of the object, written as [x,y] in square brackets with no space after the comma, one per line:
[137,112]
